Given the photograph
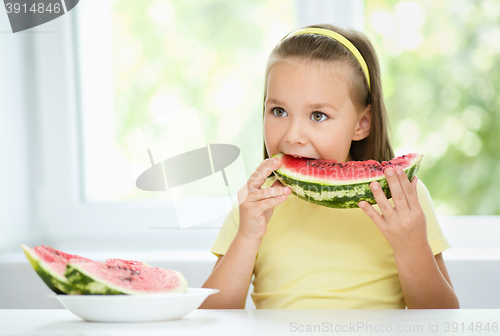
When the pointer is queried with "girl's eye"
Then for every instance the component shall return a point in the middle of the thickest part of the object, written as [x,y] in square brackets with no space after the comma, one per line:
[279,112]
[318,116]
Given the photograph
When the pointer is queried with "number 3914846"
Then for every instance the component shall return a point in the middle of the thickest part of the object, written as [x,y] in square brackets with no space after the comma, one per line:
[17,7]
[472,327]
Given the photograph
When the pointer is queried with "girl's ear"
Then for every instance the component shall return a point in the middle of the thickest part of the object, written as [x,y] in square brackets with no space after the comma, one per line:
[363,124]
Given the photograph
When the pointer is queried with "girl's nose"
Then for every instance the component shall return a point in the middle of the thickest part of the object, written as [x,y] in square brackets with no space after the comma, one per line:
[295,134]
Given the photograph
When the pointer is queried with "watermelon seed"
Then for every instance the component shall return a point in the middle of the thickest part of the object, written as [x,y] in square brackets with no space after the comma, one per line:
[128,278]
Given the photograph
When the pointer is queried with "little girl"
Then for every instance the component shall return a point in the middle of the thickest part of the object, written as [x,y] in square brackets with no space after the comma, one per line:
[323,100]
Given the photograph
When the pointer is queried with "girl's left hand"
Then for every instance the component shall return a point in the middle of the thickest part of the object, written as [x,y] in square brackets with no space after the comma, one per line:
[404,225]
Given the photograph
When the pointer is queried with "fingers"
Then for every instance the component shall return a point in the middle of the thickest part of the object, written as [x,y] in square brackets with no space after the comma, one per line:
[381,199]
[414,183]
[372,213]
[404,195]
[268,193]
[409,189]
[265,169]
[394,180]
[263,199]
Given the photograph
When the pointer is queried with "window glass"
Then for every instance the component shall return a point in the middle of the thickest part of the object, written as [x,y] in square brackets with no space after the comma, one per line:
[143,59]
[441,77]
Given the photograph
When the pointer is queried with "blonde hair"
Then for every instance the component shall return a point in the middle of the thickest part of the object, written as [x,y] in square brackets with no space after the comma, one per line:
[376,145]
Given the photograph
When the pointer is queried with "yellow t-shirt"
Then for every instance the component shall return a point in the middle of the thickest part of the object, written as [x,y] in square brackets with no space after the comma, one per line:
[317,257]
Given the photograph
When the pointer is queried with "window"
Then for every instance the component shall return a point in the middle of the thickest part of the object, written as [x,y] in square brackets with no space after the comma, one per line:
[158,57]
[441,87]
[130,69]
[127,68]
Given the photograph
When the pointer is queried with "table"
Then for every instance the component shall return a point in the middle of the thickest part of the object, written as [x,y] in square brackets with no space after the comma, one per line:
[262,322]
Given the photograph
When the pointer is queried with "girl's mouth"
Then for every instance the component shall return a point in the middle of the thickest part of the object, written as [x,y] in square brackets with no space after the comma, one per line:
[300,156]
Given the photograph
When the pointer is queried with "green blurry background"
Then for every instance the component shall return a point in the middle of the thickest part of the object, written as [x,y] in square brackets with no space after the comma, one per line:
[441,74]
[440,67]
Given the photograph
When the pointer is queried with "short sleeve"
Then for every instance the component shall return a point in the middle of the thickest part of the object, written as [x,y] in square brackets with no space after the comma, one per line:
[227,232]
[230,226]
[435,236]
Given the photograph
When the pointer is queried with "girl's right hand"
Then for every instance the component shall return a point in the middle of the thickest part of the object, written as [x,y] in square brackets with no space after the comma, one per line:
[257,208]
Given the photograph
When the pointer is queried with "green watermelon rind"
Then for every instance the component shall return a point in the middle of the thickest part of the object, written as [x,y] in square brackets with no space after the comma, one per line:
[54,281]
[343,196]
[87,284]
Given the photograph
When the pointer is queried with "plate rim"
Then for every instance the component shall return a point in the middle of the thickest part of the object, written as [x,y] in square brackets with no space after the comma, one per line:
[193,292]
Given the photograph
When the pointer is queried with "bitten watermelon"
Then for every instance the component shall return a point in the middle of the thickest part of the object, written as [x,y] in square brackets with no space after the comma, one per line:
[340,184]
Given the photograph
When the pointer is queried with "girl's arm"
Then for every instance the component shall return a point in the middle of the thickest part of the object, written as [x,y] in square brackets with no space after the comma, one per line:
[233,271]
[424,279]
[232,275]
[421,274]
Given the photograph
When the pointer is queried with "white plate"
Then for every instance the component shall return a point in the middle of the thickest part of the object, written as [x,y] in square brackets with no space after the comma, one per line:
[134,308]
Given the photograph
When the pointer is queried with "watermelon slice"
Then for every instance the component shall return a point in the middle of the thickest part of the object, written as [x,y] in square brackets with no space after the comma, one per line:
[50,264]
[123,277]
[71,274]
[340,184]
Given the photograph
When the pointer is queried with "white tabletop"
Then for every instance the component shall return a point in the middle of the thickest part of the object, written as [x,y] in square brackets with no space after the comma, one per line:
[262,322]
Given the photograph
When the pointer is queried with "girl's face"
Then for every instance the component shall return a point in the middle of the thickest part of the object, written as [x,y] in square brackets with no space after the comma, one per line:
[309,111]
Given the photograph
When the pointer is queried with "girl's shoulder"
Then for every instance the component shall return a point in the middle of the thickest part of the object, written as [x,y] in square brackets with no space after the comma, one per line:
[422,191]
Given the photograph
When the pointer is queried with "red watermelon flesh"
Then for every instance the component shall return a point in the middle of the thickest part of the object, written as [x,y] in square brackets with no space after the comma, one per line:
[56,260]
[124,277]
[331,171]
[125,263]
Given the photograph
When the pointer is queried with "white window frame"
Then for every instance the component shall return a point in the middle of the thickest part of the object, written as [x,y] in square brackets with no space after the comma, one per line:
[59,207]
[59,210]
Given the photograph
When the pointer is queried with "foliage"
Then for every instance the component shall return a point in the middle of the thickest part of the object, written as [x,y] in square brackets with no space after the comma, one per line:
[441,77]
[439,67]
[173,54]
